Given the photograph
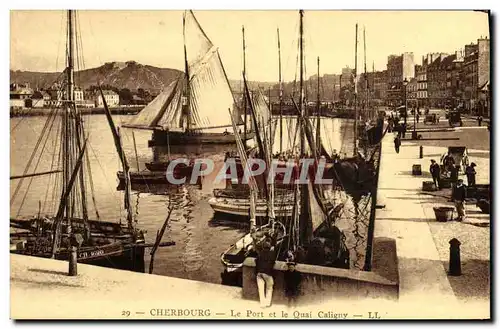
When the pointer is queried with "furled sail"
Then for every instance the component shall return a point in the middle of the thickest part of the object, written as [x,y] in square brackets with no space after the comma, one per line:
[210,95]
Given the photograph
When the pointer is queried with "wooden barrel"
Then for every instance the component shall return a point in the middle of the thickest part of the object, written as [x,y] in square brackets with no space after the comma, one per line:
[428,186]
[416,170]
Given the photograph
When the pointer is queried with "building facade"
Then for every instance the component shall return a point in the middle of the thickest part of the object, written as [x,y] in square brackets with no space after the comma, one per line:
[399,68]
[20,94]
[476,77]
[112,99]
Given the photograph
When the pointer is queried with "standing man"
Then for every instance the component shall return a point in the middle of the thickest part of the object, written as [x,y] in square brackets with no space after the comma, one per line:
[397,143]
[264,264]
[292,280]
[436,173]
[479,120]
[470,171]
[458,196]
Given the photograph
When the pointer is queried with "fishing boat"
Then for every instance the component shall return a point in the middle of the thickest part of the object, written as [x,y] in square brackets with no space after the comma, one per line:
[310,234]
[193,109]
[97,242]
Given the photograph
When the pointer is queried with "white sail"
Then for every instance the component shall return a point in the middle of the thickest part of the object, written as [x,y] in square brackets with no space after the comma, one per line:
[163,112]
[210,94]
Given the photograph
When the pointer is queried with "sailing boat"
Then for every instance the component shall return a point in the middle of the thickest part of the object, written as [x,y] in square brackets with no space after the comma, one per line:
[98,242]
[234,200]
[310,234]
[194,108]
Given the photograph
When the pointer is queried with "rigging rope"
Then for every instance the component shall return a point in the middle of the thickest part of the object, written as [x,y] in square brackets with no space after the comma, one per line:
[37,145]
[52,117]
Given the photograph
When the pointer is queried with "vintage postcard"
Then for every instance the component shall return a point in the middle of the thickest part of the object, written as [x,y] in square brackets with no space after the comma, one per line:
[242,165]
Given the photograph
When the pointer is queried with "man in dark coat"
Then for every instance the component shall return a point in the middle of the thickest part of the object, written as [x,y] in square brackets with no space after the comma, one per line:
[436,173]
[292,280]
[470,171]
[458,195]
[397,143]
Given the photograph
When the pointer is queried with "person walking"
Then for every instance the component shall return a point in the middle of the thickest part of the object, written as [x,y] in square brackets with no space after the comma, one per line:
[417,117]
[470,172]
[436,173]
[264,265]
[397,143]
[479,120]
[458,195]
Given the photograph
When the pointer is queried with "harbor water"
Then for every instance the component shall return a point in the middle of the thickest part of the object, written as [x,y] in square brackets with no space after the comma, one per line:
[200,238]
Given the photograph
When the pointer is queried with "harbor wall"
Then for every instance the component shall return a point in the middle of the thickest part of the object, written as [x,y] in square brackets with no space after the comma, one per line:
[319,282]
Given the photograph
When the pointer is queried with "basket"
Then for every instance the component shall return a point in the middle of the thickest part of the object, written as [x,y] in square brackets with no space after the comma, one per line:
[416,170]
[428,186]
[443,214]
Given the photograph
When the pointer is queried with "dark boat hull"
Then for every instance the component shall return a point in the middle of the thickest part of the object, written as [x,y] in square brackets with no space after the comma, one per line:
[115,256]
[163,138]
[180,168]
[109,245]
[155,177]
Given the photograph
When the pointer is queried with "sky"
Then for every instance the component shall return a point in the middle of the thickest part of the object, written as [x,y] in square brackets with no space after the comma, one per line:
[155,38]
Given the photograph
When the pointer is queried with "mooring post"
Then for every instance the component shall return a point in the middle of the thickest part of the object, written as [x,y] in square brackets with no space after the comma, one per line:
[72,262]
[75,242]
[421,155]
[455,265]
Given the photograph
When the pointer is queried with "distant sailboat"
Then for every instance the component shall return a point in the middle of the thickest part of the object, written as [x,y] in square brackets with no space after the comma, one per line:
[194,108]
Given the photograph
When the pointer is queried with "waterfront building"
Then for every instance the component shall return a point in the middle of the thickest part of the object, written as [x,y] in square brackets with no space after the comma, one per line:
[112,99]
[476,77]
[19,94]
[399,68]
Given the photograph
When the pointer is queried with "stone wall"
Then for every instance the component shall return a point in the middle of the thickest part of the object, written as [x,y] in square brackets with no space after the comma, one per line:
[320,283]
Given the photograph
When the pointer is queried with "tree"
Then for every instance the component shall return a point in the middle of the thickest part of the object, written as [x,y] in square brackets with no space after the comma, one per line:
[126,96]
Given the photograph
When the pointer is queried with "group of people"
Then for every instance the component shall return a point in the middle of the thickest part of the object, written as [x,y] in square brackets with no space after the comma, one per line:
[459,190]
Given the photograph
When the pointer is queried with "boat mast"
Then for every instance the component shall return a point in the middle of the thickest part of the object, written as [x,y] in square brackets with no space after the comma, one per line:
[366,75]
[244,96]
[356,114]
[304,196]
[301,81]
[281,93]
[318,117]
[187,95]
[372,89]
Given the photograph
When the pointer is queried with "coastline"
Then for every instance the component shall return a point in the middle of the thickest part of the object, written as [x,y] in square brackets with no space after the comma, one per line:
[30,112]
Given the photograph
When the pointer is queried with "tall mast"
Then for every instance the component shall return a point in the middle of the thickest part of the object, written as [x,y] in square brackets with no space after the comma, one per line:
[318,116]
[67,109]
[304,220]
[366,74]
[356,114]
[281,93]
[372,88]
[187,94]
[244,96]
[301,83]
[340,91]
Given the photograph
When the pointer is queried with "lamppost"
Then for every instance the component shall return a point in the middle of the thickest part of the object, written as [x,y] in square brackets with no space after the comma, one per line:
[414,133]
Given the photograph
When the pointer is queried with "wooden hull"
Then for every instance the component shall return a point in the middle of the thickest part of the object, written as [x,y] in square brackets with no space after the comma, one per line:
[109,245]
[154,177]
[163,166]
[241,207]
[162,138]
[115,255]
